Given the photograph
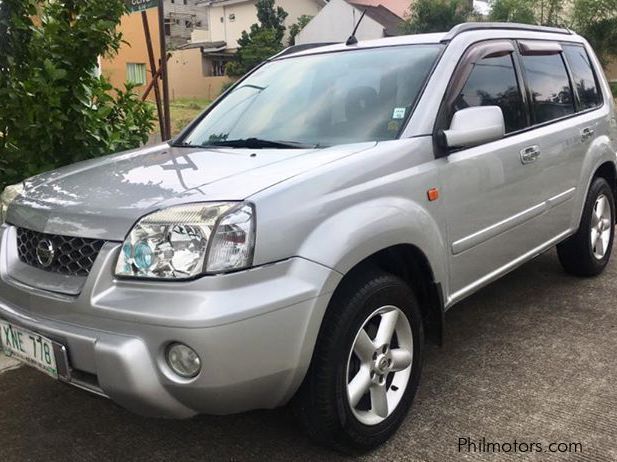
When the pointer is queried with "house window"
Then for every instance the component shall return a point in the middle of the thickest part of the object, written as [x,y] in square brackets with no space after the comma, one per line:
[188,24]
[218,67]
[136,73]
[168,27]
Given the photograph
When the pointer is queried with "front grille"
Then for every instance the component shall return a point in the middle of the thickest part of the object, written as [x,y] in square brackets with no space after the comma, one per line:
[73,256]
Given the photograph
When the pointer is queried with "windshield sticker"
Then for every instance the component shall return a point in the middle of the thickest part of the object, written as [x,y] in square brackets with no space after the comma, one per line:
[399,113]
[394,126]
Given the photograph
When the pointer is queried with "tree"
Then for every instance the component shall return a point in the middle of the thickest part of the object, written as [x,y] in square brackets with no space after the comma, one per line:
[264,39]
[542,12]
[521,11]
[596,20]
[55,110]
[437,15]
[296,28]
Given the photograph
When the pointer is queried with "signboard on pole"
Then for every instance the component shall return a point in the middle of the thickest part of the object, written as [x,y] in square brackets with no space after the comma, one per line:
[141,5]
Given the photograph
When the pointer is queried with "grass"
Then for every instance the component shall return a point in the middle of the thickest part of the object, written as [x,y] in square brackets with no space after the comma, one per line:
[183,111]
[614,88]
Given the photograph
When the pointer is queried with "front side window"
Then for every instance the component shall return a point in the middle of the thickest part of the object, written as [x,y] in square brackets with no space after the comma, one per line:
[322,99]
[549,86]
[493,82]
[583,76]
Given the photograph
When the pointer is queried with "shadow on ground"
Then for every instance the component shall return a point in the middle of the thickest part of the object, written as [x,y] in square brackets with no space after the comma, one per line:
[531,358]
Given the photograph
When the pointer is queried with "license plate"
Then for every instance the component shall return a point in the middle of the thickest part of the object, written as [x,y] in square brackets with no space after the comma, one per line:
[29,347]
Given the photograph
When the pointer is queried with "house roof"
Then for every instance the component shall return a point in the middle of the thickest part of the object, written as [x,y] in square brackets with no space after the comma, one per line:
[231,2]
[391,22]
[398,7]
[204,45]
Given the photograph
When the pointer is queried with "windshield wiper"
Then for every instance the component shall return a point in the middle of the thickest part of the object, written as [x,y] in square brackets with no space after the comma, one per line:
[183,145]
[257,143]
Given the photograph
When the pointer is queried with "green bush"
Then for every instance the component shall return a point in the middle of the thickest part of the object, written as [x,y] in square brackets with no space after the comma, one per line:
[55,110]
[614,88]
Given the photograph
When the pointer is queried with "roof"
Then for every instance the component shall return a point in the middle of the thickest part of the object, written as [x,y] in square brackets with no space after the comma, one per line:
[232,2]
[398,7]
[473,32]
[392,24]
[203,45]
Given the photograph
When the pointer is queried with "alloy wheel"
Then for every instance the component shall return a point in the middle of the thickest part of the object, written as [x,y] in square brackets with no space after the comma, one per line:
[601,222]
[379,365]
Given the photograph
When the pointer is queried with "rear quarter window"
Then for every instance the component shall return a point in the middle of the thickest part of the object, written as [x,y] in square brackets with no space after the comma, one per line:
[585,82]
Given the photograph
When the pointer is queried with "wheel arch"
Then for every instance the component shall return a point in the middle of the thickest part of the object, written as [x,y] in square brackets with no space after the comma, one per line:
[608,171]
[409,263]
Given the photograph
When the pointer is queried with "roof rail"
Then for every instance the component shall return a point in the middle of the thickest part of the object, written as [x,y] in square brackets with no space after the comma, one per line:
[473,26]
[298,48]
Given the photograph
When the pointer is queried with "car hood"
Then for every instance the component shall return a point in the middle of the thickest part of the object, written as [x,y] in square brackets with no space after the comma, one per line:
[103,198]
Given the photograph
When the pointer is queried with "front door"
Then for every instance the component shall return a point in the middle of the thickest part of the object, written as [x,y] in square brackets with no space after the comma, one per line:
[495,194]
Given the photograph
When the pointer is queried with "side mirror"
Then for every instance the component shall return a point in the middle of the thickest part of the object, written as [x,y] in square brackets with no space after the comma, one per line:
[474,126]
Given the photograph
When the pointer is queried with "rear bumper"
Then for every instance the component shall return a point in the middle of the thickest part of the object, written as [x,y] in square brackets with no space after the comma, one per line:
[254,331]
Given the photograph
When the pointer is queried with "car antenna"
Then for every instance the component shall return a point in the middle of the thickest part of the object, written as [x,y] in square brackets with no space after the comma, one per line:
[352,40]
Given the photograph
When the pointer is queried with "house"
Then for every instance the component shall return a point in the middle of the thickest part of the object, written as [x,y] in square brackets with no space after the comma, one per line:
[398,7]
[182,17]
[227,19]
[338,18]
[131,63]
[202,36]
[197,69]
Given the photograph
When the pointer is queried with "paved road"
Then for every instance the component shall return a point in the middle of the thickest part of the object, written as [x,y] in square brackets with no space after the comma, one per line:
[532,358]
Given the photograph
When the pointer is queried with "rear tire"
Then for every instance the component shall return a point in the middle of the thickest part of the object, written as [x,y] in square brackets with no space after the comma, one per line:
[366,365]
[588,251]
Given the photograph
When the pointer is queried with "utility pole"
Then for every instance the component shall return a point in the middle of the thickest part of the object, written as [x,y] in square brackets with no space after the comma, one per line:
[164,72]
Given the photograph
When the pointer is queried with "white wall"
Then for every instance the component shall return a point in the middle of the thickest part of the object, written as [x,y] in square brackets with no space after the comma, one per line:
[246,15]
[336,22]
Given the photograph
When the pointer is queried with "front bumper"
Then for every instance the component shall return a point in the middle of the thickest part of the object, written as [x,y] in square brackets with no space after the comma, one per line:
[254,331]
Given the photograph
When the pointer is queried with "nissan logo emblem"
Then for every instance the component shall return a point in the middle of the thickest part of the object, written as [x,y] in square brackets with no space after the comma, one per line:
[45,253]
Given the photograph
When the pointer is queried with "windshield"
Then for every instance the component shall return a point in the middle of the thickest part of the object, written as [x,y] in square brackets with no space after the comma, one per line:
[320,100]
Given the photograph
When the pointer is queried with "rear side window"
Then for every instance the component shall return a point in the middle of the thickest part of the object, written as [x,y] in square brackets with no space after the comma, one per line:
[584,78]
[549,87]
[493,82]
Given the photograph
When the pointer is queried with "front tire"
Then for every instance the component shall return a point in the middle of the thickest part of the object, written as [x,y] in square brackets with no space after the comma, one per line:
[366,365]
[587,252]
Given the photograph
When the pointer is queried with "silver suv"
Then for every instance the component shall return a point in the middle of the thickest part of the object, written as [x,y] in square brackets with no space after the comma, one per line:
[305,235]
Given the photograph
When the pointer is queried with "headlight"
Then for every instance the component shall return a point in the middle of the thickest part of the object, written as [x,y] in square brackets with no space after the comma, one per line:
[8,195]
[189,240]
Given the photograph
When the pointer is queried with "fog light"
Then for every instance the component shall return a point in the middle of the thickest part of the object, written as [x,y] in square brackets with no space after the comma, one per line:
[183,360]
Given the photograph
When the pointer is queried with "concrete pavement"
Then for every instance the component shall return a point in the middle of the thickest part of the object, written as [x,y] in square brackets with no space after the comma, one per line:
[531,358]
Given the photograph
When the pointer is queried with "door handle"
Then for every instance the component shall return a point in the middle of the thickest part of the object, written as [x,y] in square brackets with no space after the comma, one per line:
[530,154]
[587,133]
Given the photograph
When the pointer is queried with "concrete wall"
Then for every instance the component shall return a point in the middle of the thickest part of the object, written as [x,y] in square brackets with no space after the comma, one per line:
[183,19]
[611,71]
[187,79]
[135,51]
[336,22]
[228,22]
[297,8]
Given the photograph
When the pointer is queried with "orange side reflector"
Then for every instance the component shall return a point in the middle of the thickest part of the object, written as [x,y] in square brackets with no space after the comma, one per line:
[433,194]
